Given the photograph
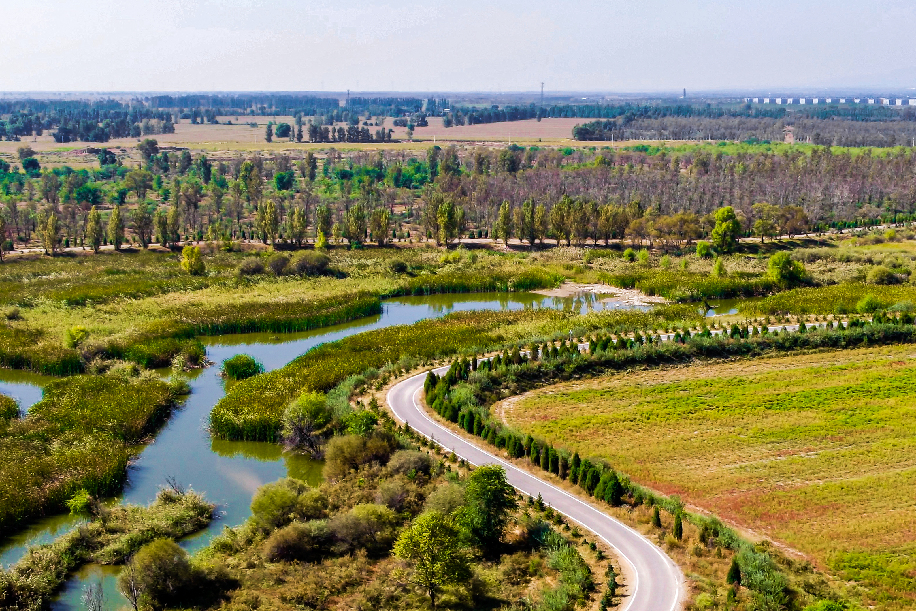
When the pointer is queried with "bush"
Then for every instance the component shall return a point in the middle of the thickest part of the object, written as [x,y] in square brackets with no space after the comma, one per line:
[277,264]
[298,541]
[369,526]
[629,255]
[192,262]
[397,266]
[279,503]
[161,572]
[718,268]
[868,305]
[880,274]
[704,249]
[349,452]
[241,367]
[251,267]
[310,263]
[784,270]
[74,336]
[446,499]
[404,462]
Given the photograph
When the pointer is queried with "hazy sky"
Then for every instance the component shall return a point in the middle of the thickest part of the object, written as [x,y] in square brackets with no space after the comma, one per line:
[460,45]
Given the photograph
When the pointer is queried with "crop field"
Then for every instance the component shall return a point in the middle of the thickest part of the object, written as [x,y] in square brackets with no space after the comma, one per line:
[815,451]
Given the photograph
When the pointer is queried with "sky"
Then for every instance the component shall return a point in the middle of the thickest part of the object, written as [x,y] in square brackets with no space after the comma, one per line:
[467,45]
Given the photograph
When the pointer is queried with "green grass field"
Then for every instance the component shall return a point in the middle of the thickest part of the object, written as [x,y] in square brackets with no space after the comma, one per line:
[815,451]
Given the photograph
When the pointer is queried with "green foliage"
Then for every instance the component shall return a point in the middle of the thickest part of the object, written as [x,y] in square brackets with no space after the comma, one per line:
[868,304]
[489,499]
[684,286]
[784,270]
[75,336]
[727,230]
[81,435]
[310,263]
[299,541]
[349,452]
[704,249]
[241,367]
[191,261]
[629,255]
[432,545]
[80,502]
[9,409]
[880,274]
[278,504]
[836,299]
[718,268]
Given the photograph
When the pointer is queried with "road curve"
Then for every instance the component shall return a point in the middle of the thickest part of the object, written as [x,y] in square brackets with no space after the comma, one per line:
[658,584]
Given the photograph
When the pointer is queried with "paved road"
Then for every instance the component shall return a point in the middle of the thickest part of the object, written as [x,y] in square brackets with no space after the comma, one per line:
[658,584]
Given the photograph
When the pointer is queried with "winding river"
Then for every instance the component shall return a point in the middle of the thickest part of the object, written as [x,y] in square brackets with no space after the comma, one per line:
[225,472]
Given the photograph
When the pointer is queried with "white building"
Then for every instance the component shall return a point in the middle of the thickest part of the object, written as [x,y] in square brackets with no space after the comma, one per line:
[766,100]
[899,102]
[790,100]
[815,100]
[827,101]
[801,101]
[843,100]
[912,102]
[871,100]
[756,100]
[779,100]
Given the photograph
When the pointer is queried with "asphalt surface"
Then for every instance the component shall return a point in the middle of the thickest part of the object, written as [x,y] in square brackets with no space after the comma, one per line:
[657,583]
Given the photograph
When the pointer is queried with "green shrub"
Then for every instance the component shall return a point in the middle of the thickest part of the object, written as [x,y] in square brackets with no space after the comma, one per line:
[368,526]
[74,336]
[241,367]
[629,255]
[251,266]
[277,504]
[869,304]
[80,502]
[405,462]
[349,452]
[162,573]
[880,274]
[704,249]
[310,263]
[299,542]
[9,409]
[784,270]
[192,262]
[397,266]
[277,264]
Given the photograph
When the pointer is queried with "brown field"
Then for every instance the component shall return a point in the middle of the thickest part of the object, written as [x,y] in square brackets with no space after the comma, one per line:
[815,451]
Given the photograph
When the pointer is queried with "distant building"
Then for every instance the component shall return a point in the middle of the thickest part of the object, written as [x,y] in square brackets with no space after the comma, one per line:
[912,102]
[829,101]
[779,100]
[789,134]
[885,102]
[871,100]
[801,101]
[766,100]
[756,100]
[815,100]
[790,101]
[899,102]
[842,100]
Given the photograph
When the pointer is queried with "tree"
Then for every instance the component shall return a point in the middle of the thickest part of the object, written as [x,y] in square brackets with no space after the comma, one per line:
[561,220]
[283,130]
[356,224]
[296,225]
[784,270]
[148,148]
[734,573]
[380,225]
[503,229]
[94,231]
[49,187]
[311,162]
[31,167]
[116,228]
[324,222]
[139,181]
[490,498]
[268,221]
[162,229]
[191,261]
[727,230]
[304,420]
[49,232]
[765,225]
[432,544]
[174,222]
[541,222]
[269,132]
[160,574]
[450,221]
[283,181]
[678,526]
[143,224]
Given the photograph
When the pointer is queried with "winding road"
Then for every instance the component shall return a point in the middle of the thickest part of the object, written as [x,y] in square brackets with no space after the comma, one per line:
[657,582]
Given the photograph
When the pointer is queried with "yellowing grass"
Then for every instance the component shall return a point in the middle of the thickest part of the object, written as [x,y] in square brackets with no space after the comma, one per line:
[817,451]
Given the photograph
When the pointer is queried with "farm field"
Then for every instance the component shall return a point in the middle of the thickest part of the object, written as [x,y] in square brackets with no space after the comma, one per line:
[814,451]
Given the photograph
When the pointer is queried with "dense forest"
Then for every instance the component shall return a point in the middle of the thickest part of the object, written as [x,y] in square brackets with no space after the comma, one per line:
[584,195]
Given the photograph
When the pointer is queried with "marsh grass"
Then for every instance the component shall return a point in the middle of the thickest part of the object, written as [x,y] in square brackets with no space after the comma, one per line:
[81,435]
[116,533]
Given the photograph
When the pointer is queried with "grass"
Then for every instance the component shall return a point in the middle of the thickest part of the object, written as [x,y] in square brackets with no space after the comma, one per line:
[109,539]
[836,299]
[813,450]
[680,286]
[81,435]
[253,408]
